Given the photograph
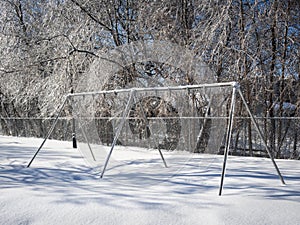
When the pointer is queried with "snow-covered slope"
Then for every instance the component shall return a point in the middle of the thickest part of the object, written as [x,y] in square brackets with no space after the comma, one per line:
[61,188]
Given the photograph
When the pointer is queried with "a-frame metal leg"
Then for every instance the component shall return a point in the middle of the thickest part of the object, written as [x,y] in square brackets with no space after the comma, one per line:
[50,131]
[261,136]
[118,131]
[228,138]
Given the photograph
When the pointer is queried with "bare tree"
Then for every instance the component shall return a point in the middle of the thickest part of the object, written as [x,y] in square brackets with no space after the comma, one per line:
[47,46]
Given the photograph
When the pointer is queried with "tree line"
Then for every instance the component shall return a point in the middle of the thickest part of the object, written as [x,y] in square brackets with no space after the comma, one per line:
[47,45]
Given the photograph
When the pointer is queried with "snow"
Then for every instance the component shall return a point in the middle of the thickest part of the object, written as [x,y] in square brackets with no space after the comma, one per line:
[61,188]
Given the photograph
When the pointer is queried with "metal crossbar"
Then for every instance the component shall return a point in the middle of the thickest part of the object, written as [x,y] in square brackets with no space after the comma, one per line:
[177,88]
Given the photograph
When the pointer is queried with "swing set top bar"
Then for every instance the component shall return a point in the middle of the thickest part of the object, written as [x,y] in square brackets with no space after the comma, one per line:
[189,87]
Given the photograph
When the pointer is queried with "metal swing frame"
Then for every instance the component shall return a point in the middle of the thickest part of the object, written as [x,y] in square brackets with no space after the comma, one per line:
[235,90]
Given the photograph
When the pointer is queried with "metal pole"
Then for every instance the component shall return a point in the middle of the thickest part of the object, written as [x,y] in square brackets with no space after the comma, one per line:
[228,138]
[118,131]
[162,157]
[189,87]
[261,136]
[50,131]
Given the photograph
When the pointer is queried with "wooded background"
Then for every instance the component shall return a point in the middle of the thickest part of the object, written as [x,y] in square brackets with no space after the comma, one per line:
[46,46]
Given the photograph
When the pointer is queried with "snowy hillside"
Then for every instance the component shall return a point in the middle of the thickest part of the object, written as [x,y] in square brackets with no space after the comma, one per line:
[61,188]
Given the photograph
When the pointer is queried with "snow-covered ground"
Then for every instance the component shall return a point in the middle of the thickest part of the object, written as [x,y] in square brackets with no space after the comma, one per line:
[61,188]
